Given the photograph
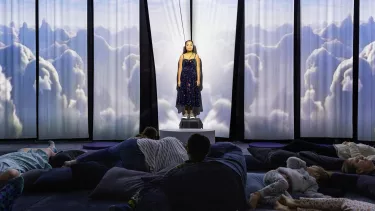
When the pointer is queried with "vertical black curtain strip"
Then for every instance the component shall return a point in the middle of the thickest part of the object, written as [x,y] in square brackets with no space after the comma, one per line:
[148,93]
[90,66]
[297,69]
[237,119]
[191,20]
[356,32]
[37,66]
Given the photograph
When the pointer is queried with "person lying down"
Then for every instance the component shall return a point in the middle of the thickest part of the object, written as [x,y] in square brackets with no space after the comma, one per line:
[296,178]
[14,164]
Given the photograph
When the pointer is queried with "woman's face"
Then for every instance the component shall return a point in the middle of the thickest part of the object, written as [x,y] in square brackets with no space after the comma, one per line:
[189,46]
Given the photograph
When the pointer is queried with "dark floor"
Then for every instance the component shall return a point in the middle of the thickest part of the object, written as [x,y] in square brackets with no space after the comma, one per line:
[62,146]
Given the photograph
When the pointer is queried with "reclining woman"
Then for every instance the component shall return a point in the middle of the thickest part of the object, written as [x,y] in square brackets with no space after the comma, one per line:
[296,178]
[14,164]
[345,150]
[142,153]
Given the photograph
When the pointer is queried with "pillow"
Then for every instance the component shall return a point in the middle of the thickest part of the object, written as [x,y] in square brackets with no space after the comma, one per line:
[30,177]
[58,179]
[329,163]
[87,175]
[261,154]
[254,183]
[279,157]
[270,158]
[274,158]
[366,186]
[119,183]
[253,164]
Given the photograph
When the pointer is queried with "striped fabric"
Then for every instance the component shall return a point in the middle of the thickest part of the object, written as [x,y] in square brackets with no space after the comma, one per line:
[163,153]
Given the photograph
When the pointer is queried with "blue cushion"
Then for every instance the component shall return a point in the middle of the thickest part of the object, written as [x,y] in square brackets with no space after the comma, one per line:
[58,179]
[266,145]
[87,175]
[254,183]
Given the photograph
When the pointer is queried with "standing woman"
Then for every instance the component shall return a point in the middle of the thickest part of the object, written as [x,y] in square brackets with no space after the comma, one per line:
[189,82]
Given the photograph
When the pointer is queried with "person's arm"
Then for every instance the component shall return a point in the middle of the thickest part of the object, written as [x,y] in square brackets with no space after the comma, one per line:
[100,155]
[347,182]
[179,70]
[354,150]
[198,70]
[295,163]
[312,192]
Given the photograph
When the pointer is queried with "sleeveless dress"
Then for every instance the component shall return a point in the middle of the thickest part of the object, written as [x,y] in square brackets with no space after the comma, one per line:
[188,93]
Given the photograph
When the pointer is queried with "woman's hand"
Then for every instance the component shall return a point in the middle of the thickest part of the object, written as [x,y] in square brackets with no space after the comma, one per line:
[198,83]
[179,83]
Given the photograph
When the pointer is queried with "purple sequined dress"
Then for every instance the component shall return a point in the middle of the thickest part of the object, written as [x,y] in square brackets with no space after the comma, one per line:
[189,93]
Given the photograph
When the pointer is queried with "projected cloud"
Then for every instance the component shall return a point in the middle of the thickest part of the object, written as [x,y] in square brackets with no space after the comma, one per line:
[117,73]
[10,124]
[268,71]
[366,95]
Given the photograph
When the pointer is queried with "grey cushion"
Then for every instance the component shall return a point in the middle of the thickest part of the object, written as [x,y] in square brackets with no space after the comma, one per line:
[119,183]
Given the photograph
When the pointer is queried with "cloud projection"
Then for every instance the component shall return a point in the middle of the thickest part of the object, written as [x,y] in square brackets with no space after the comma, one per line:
[268,70]
[63,108]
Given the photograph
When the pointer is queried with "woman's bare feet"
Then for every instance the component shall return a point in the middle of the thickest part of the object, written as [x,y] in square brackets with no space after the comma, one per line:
[289,202]
[69,163]
[52,146]
[279,206]
[254,199]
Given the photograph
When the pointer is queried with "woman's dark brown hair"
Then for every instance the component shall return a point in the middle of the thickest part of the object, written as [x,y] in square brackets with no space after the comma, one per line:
[149,132]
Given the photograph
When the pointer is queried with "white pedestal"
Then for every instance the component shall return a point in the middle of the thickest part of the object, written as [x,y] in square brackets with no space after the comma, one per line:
[184,134]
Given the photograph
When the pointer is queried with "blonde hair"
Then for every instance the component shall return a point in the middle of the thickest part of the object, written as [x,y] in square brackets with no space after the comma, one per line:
[348,167]
[319,173]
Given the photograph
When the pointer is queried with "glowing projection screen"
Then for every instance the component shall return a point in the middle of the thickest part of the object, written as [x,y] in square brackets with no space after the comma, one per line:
[269,104]
[366,83]
[326,68]
[214,34]
[116,69]
[17,69]
[63,110]
[170,27]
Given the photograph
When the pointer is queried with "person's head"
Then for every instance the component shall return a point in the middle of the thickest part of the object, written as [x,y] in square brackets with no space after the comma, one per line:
[358,165]
[58,160]
[318,173]
[149,132]
[189,47]
[198,147]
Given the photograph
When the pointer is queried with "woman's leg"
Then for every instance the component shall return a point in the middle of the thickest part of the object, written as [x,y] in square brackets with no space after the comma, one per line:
[9,174]
[50,150]
[331,204]
[102,156]
[130,156]
[357,205]
[298,146]
[186,112]
[10,192]
[276,185]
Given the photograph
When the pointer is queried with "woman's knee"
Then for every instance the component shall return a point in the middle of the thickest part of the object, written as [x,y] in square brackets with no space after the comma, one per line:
[13,173]
[9,174]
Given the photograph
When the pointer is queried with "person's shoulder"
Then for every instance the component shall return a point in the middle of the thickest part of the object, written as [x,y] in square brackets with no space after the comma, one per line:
[197,56]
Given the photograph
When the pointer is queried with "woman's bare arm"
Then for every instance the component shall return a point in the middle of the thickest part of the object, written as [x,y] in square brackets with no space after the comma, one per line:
[198,70]
[179,70]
